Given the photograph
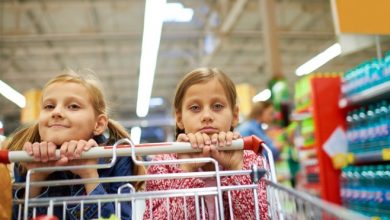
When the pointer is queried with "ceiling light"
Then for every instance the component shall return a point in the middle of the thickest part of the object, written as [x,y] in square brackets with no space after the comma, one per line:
[319,60]
[135,134]
[13,95]
[156,101]
[150,43]
[175,12]
[262,96]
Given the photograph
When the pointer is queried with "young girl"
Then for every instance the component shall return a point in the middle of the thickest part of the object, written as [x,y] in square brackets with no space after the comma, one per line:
[206,113]
[73,118]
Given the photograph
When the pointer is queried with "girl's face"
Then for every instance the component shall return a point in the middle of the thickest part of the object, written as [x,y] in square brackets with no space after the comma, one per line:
[67,114]
[206,109]
[268,115]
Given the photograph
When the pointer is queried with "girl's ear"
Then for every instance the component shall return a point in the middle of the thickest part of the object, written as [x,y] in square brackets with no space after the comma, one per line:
[235,120]
[179,120]
[101,124]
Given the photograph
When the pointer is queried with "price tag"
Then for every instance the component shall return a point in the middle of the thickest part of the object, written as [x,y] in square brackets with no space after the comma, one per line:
[386,154]
[339,160]
[350,158]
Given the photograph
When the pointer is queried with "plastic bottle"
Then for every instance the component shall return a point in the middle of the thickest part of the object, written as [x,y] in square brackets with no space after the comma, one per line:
[386,188]
[355,201]
[363,129]
[376,76]
[370,124]
[355,132]
[386,67]
[344,181]
[384,124]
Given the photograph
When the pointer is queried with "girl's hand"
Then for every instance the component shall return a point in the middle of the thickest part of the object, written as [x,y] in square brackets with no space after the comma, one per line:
[72,150]
[197,141]
[229,160]
[44,156]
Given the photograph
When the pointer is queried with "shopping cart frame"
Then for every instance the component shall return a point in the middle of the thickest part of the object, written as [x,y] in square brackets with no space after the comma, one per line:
[275,210]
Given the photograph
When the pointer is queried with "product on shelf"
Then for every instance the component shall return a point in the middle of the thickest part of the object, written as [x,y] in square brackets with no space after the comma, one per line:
[366,189]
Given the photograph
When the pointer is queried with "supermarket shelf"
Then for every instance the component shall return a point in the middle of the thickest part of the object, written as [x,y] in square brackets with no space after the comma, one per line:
[296,116]
[310,162]
[367,95]
[344,159]
[370,157]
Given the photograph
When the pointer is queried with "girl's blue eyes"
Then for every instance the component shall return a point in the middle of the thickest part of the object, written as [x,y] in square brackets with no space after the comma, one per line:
[194,108]
[71,107]
[74,107]
[218,106]
[48,107]
[215,107]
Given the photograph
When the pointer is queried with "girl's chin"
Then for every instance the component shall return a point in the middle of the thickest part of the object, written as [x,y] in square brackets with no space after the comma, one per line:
[57,141]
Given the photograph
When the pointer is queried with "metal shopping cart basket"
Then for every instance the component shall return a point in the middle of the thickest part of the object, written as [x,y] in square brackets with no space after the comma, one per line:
[283,202]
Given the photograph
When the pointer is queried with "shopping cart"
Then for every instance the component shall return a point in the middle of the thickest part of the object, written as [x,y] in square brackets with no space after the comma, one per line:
[283,203]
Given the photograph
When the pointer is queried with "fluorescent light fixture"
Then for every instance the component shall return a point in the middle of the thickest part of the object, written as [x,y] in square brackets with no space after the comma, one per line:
[319,60]
[150,42]
[156,101]
[13,95]
[262,96]
[175,12]
[135,134]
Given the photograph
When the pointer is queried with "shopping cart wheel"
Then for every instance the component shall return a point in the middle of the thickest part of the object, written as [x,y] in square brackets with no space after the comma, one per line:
[257,173]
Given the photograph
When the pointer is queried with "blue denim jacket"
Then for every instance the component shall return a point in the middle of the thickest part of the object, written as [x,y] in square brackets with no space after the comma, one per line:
[123,167]
[252,127]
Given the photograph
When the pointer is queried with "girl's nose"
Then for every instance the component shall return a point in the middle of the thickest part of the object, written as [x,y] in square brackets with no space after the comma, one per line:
[57,112]
[207,115]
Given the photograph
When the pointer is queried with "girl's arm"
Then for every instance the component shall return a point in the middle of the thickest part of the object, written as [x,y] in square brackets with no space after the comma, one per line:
[176,204]
[243,202]
[121,168]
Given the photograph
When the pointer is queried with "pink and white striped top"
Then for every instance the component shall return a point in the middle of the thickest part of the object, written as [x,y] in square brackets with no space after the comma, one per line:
[242,200]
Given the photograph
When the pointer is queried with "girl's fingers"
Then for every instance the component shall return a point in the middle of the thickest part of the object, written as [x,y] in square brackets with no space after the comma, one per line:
[222,139]
[36,151]
[28,148]
[72,145]
[51,150]
[80,145]
[91,143]
[63,149]
[236,135]
[193,140]
[182,138]
[199,139]
[206,139]
[214,139]
[206,151]
[43,151]
[229,138]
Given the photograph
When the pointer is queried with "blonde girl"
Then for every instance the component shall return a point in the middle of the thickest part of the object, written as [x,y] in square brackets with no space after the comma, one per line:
[73,118]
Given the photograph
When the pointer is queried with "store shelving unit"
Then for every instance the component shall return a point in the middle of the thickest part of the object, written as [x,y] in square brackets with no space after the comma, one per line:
[361,192]
[368,95]
[372,94]
[326,115]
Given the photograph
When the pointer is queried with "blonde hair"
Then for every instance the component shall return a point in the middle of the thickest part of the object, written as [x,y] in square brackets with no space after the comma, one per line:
[30,133]
[202,75]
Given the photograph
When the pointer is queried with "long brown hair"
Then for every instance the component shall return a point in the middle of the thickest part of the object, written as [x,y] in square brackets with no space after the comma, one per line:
[30,133]
[202,75]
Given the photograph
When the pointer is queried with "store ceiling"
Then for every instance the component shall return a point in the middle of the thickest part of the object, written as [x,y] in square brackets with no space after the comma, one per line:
[39,38]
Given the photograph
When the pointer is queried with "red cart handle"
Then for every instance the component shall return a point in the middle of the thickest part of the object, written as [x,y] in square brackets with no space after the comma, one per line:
[247,143]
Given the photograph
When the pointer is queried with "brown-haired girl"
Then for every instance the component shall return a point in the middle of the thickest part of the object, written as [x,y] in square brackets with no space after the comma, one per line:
[206,113]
